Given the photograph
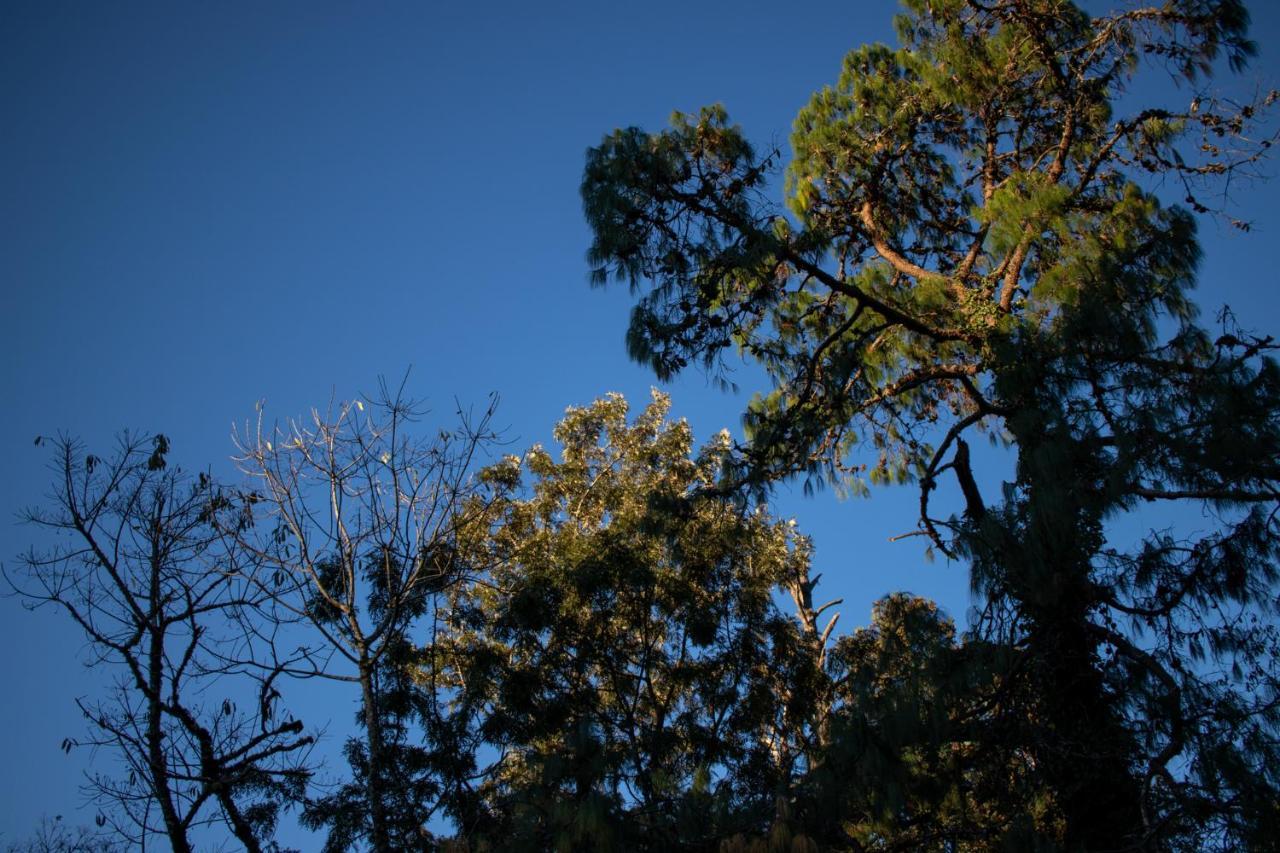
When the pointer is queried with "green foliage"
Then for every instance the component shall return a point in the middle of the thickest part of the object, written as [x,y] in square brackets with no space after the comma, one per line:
[367,522]
[976,244]
[406,767]
[915,755]
[636,660]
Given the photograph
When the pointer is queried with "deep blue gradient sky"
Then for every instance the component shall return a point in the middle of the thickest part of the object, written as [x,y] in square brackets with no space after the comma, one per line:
[203,205]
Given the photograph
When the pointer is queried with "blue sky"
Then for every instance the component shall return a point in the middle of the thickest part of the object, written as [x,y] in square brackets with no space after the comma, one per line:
[204,205]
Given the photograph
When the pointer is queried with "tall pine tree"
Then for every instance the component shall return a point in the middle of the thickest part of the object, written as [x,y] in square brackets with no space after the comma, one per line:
[975,243]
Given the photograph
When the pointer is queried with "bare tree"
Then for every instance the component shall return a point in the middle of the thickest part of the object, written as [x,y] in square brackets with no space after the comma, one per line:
[140,562]
[52,835]
[359,528]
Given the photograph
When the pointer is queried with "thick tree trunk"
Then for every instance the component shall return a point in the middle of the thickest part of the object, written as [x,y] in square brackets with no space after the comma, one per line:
[1080,743]
[1076,733]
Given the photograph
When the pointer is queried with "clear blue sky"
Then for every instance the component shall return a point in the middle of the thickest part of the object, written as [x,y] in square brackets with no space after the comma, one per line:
[208,204]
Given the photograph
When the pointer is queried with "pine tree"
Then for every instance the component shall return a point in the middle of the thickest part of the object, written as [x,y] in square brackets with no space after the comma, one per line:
[975,243]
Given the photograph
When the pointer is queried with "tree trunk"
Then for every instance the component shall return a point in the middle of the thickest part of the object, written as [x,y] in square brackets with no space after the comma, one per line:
[1081,745]
[1075,731]
[239,826]
[214,771]
[155,733]
[375,779]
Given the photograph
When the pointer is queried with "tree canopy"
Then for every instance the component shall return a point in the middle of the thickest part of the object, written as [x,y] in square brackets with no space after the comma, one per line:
[974,240]
[645,685]
[616,645]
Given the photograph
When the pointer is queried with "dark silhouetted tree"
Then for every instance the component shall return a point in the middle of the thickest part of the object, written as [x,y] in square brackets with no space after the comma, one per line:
[52,835]
[137,561]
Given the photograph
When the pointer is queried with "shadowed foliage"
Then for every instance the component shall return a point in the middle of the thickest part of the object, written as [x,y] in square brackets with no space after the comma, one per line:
[973,242]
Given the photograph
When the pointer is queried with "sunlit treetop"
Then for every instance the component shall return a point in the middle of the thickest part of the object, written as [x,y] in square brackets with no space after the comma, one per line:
[638,677]
[975,187]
